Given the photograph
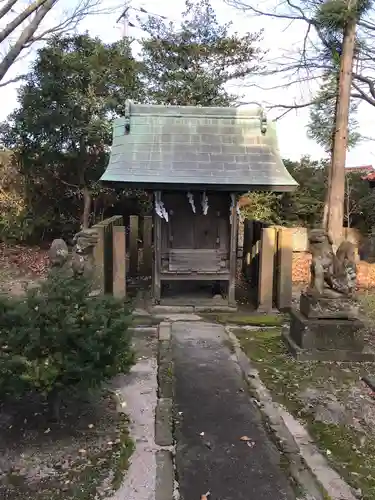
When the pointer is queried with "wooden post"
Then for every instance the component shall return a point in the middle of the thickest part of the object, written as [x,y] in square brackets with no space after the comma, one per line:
[99,259]
[284,267]
[255,252]
[119,262]
[108,257]
[147,245]
[247,247]
[133,245]
[266,267]
[233,258]
[157,253]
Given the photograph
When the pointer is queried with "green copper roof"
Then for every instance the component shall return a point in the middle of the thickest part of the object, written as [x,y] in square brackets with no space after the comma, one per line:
[186,146]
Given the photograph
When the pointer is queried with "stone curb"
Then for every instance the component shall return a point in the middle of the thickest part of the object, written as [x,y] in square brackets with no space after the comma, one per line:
[143,329]
[164,422]
[165,467]
[307,466]
[164,475]
[165,365]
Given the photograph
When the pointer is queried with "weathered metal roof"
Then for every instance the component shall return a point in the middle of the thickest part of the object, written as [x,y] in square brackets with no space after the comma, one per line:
[187,146]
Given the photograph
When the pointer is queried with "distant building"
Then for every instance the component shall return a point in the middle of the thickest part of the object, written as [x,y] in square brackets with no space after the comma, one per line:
[363,169]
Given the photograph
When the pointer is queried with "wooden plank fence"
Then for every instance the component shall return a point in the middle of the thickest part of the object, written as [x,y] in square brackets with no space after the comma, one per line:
[267,264]
[103,252]
[126,251]
[122,251]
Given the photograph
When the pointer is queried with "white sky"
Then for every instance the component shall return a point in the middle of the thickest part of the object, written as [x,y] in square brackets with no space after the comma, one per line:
[279,36]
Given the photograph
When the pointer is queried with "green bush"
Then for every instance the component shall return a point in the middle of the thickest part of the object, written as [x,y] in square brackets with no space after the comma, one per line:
[58,338]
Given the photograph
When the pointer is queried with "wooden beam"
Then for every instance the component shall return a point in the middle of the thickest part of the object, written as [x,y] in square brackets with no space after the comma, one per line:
[119,262]
[133,245]
[98,252]
[266,269]
[233,257]
[157,252]
[284,268]
[147,245]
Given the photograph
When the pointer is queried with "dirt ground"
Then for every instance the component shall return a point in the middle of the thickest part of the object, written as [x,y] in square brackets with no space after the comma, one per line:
[84,455]
[19,266]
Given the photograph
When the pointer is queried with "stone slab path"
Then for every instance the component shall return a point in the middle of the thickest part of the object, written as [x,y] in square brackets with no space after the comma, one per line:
[138,390]
[213,412]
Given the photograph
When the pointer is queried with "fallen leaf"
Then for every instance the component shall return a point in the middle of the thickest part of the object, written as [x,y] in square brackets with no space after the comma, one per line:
[245,438]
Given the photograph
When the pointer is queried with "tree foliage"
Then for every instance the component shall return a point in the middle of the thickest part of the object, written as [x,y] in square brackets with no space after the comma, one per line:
[322,116]
[58,339]
[262,206]
[304,206]
[193,63]
[61,132]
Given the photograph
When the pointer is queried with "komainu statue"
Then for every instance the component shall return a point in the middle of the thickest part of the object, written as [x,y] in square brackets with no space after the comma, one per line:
[58,253]
[81,260]
[331,274]
[83,252]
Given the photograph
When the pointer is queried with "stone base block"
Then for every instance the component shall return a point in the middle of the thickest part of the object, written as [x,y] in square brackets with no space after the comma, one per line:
[328,307]
[340,355]
[326,334]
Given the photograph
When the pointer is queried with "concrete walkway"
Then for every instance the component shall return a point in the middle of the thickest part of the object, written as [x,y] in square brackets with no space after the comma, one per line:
[214,411]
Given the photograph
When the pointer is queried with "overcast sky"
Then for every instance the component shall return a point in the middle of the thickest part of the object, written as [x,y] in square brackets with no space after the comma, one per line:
[279,37]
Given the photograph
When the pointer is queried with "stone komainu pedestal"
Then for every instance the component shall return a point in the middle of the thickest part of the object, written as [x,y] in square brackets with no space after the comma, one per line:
[327,329]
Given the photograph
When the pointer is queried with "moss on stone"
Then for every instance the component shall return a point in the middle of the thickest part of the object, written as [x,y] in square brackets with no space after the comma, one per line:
[351,451]
[247,319]
[145,321]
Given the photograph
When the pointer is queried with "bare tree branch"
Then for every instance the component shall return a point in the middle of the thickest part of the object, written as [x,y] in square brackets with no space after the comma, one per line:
[9,28]
[25,36]
[362,94]
[33,32]
[309,61]
[72,19]
[368,81]
[12,80]
[7,8]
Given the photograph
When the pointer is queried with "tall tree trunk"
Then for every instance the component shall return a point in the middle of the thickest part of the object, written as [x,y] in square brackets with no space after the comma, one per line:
[86,208]
[329,179]
[334,204]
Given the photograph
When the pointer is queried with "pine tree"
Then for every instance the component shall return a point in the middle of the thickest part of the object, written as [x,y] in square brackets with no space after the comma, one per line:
[321,126]
[337,24]
[192,64]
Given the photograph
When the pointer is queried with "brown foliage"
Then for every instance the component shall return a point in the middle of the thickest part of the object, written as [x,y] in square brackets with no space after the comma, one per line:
[301,271]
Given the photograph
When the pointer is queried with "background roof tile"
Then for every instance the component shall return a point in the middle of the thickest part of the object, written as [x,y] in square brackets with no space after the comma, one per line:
[186,145]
